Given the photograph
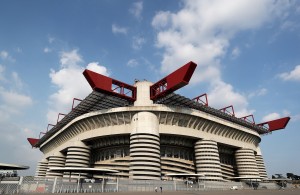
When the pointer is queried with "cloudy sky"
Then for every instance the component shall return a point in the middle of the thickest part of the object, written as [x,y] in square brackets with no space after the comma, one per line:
[247,51]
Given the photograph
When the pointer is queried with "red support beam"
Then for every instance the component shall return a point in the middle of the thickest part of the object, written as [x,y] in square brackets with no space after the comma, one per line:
[110,86]
[249,118]
[202,99]
[276,124]
[32,141]
[59,114]
[74,102]
[227,111]
[173,81]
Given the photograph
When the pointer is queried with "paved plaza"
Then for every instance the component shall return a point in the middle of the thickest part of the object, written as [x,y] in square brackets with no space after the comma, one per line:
[227,192]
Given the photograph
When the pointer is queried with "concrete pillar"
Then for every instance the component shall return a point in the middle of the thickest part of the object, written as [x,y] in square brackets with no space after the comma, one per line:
[55,160]
[208,160]
[41,168]
[145,147]
[78,155]
[143,93]
[246,163]
[260,164]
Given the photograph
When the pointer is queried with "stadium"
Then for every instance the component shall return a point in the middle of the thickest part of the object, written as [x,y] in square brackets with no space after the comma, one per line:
[146,131]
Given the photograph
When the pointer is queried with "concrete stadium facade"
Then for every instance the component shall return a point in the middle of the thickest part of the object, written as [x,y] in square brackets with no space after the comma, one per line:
[149,140]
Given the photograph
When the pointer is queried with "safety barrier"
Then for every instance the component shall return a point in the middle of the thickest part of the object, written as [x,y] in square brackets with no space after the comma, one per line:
[38,185]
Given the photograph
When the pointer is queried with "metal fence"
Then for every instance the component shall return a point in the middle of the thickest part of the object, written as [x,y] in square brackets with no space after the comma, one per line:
[31,185]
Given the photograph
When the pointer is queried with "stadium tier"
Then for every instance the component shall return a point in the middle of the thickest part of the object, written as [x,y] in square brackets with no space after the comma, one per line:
[146,131]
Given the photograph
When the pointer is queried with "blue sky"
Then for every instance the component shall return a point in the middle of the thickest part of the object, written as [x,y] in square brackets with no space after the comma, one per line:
[247,54]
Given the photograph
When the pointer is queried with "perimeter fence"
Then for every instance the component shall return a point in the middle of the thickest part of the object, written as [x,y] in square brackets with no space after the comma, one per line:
[31,185]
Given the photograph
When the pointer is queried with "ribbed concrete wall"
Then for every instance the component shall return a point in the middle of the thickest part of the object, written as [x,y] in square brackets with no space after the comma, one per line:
[246,163]
[56,160]
[145,147]
[261,166]
[41,168]
[78,155]
[208,160]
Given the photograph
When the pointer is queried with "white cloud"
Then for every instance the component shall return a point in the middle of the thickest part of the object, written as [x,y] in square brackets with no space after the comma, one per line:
[118,30]
[259,92]
[96,67]
[13,132]
[2,69]
[70,59]
[235,52]
[223,95]
[70,83]
[294,75]
[136,10]
[202,30]
[271,116]
[15,99]
[4,54]
[161,19]
[17,81]
[132,63]
[51,39]
[47,50]
[12,101]
[289,25]
[138,42]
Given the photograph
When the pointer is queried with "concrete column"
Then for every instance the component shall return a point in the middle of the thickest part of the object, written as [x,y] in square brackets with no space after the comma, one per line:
[41,168]
[208,160]
[78,155]
[260,164]
[143,93]
[55,160]
[246,163]
[145,147]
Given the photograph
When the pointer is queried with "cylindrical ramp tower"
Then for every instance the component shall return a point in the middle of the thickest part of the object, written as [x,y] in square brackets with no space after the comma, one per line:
[78,155]
[208,160]
[42,168]
[260,165]
[246,163]
[55,160]
[145,147]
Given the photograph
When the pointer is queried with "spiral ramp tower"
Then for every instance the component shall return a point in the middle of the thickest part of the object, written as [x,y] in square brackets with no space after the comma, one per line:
[261,165]
[78,155]
[208,160]
[246,163]
[41,168]
[55,160]
[144,139]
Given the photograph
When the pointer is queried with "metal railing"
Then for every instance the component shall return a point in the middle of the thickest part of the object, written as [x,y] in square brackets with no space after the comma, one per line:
[31,185]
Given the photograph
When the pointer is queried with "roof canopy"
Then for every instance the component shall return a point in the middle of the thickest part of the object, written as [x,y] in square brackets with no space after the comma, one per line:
[82,170]
[4,166]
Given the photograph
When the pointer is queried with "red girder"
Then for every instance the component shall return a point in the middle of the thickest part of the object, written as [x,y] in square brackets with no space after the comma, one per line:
[199,99]
[246,118]
[110,86]
[59,114]
[74,102]
[276,124]
[33,141]
[173,81]
[225,110]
